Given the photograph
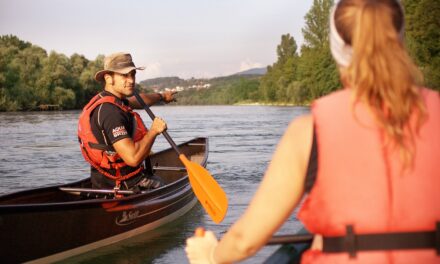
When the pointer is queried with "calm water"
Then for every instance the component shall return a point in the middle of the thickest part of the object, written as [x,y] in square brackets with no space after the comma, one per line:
[40,149]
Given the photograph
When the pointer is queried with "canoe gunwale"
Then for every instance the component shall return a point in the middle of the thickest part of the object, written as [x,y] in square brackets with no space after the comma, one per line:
[55,188]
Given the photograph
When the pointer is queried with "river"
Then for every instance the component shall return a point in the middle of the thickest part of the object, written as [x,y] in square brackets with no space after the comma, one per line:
[41,149]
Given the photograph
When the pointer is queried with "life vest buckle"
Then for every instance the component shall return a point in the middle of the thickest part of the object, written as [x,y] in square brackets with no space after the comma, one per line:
[116,189]
[437,237]
[350,241]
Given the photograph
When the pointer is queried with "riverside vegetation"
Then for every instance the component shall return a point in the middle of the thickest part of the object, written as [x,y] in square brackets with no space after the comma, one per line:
[30,77]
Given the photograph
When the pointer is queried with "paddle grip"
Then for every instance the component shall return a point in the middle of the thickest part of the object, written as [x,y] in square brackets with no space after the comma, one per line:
[152,116]
[199,232]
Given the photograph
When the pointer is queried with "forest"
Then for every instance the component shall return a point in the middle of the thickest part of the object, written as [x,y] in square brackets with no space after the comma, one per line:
[31,77]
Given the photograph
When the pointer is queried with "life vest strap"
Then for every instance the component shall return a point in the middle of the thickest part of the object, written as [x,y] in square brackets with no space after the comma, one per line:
[101,146]
[351,242]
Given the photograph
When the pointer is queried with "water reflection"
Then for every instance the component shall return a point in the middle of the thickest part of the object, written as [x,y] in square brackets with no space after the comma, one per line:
[147,247]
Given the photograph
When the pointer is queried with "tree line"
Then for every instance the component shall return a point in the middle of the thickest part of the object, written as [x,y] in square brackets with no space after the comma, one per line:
[298,77]
[224,90]
[29,76]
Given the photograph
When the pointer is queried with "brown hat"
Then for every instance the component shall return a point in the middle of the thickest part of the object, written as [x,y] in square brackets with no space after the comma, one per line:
[120,62]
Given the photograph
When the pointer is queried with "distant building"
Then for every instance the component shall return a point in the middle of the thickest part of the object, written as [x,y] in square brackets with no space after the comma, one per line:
[179,88]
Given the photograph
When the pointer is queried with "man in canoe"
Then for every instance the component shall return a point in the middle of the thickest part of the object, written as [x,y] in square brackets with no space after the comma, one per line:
[367,156]
[112,136]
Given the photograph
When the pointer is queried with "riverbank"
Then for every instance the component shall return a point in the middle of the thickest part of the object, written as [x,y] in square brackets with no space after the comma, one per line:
[271,104]
[55,108]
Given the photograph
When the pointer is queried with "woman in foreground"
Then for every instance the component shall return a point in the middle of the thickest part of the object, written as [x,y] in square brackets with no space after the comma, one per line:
[375,144]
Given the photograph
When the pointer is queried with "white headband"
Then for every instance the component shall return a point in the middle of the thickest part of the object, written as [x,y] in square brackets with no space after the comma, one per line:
[341,51]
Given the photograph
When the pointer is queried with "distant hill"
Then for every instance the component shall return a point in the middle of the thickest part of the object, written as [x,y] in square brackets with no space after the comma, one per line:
[254,71]
[162,83]
[239,87]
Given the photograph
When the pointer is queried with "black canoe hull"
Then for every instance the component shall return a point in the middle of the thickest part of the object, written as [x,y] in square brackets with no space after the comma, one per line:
[47,224]
[289,253]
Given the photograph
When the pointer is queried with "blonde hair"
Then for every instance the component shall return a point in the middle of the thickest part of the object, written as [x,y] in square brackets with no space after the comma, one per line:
[381,71]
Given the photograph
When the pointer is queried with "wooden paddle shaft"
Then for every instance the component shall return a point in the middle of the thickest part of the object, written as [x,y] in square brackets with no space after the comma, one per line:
[288,239]
[152,116]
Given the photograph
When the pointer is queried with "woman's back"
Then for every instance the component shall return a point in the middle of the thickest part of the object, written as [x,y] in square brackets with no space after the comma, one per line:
[360,182]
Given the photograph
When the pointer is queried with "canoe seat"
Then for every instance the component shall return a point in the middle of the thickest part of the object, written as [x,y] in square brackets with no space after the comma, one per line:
[167,168]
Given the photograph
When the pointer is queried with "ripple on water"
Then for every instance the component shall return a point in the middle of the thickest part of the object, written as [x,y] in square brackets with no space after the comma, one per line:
[39,149]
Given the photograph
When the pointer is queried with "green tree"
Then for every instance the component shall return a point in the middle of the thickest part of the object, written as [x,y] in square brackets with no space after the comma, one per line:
[87,80]
[316,29]
[274,83]
[16,59]
[55,73]
[317,71]
[28,64]
[268,84]
[423,37]
[77,65]
[64,97]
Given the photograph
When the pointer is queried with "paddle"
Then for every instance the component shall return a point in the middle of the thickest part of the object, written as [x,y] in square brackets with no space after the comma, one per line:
[207,190]
[274,240]
[289,239]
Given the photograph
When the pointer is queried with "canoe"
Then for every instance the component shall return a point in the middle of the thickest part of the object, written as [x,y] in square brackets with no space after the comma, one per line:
[52,223]
[290,252]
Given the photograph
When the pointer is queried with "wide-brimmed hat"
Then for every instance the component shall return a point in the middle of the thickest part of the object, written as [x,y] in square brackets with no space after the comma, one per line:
[120,62]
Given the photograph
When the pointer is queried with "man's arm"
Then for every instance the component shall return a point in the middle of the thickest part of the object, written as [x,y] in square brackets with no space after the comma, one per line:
[133,153]
[115,124]
[152,99]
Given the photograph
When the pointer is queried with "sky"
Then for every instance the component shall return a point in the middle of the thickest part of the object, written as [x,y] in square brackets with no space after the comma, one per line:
[184,38]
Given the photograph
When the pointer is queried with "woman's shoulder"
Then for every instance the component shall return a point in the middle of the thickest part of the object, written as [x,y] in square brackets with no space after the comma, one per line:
[431,98]
[339,94]
[428,92]
[301,126]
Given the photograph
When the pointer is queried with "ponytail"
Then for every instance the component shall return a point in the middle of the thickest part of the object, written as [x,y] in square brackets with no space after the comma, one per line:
[383,75]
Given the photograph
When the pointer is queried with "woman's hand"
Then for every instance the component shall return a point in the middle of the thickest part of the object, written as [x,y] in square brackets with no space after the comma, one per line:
[200,249]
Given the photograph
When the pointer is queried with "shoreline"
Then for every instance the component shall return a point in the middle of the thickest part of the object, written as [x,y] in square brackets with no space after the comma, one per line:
[60,109]
[270,104]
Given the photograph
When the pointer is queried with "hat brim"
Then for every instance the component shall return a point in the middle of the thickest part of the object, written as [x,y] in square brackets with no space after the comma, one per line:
[99,76]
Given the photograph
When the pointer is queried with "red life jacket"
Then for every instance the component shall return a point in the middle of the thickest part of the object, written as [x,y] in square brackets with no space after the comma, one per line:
[100,156]
[360,183]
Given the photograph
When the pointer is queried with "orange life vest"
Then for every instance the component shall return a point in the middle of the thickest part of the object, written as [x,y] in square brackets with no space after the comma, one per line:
[101,156]
[360,182]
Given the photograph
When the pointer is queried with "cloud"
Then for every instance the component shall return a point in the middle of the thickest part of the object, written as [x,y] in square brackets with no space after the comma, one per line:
[248,64]
[152,70]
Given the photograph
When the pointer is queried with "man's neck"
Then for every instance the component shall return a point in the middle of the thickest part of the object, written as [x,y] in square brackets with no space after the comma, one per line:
[110,89]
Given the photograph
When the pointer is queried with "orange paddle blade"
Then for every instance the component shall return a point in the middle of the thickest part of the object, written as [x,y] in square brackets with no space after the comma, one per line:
[208,191]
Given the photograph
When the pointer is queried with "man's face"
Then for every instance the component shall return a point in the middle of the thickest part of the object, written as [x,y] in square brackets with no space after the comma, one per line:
[123,84]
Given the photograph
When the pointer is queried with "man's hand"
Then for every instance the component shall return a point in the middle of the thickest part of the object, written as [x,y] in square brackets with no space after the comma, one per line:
[168,96]
[158,126]
[152,99]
